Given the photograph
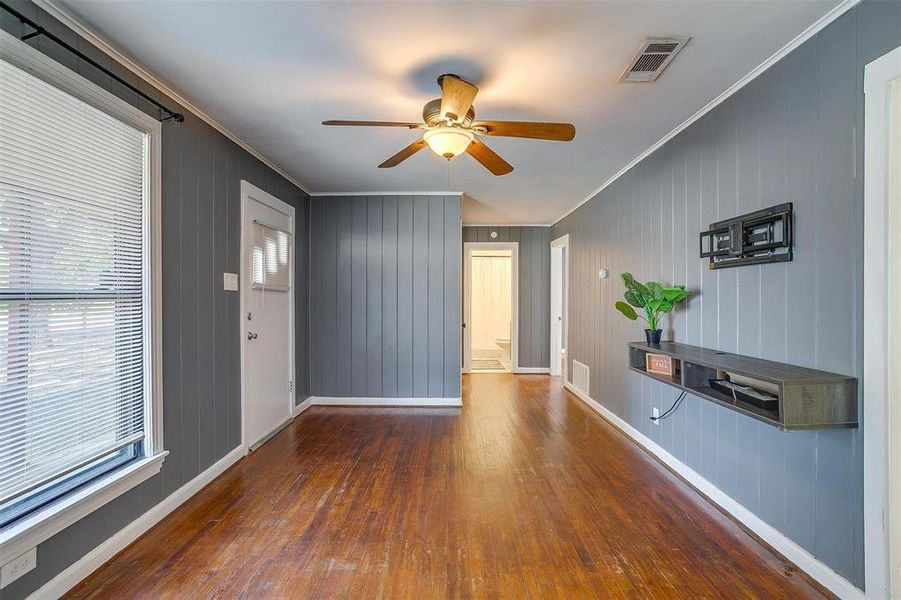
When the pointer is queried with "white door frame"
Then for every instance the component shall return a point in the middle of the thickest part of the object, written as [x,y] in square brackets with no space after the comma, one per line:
[561,242]
[881,412]
[468,248]
[252,192]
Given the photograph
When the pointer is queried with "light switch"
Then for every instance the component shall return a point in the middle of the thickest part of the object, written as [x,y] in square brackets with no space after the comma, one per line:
[230,282]
[603,274]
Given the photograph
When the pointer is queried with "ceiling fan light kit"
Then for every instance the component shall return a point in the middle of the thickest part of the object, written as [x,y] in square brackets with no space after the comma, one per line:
[448,142]
[451,129]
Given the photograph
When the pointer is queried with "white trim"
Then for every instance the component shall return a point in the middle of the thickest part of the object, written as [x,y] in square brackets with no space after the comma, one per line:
[530,370]
[252,192]
[879,222]
[424,402]
[275,431]
[468,247]
[41,525]
[69,20]
[385,193]
[154,294]
[506,225]
[808,563]
[805,35]
[561,242]
[94,559]
[302,406]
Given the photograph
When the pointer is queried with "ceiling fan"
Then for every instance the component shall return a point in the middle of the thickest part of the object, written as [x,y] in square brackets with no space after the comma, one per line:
[451,129]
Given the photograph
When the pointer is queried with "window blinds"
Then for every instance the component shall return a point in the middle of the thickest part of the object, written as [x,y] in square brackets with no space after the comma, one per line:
[271,258]
[72,308]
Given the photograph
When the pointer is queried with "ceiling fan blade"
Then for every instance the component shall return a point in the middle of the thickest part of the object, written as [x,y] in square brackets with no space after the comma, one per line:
[374,124]
[456,97]
[489,158]
[403,154]
[560,132]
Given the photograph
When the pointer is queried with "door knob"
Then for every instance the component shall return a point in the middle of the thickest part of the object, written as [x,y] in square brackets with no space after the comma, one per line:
[251,335]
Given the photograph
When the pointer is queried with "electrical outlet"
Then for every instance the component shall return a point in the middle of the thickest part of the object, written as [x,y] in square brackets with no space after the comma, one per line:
[656,414]
[18,567]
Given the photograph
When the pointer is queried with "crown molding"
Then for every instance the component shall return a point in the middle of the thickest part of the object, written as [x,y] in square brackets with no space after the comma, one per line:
[75,24]
[805,35]
[326,194]
[506,225]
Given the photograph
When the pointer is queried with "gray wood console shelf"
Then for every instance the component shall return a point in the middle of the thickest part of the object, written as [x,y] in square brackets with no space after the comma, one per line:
[802,398]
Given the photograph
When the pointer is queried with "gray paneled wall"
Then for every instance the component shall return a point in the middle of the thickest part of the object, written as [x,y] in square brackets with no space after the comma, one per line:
[201,174]
[793,134]
[385,296]
[534,286]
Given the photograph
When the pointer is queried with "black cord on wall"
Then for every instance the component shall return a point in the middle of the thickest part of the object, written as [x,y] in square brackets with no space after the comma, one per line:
[671,408]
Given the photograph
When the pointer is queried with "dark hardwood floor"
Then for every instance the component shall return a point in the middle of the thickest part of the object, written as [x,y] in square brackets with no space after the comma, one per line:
[522,493]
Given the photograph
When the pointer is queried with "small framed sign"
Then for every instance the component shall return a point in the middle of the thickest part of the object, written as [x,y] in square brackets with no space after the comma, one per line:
[659,364]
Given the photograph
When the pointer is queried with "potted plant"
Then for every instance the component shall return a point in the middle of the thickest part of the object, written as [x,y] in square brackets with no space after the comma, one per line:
[652,298]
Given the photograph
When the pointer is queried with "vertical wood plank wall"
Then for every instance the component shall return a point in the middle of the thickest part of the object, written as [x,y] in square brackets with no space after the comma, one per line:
[201,174]
[534,286]
[385,296]
[793,134]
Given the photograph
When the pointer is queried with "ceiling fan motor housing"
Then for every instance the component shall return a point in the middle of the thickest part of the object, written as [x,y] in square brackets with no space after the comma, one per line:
[431,114]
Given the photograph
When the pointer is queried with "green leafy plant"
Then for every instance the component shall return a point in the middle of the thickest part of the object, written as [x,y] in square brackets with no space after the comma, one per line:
[651,297]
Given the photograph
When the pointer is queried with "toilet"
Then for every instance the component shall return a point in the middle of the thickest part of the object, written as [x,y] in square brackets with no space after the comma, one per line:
[504,344]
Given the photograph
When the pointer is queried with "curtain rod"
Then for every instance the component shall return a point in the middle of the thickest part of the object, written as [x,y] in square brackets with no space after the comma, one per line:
[39,30]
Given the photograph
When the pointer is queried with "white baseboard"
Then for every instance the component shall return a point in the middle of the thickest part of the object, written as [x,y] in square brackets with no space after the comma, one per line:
[326,401]
[803,559]
[535,370]
[94,559]
[302,406]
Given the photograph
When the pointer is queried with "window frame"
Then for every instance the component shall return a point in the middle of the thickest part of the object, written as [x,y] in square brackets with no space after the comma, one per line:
[27,532]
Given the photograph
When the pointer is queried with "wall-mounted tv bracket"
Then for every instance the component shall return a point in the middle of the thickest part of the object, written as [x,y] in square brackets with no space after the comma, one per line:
[763,236]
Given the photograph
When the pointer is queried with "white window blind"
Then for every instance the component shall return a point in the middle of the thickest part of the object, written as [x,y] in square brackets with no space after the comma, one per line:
[271,258]
[73,210]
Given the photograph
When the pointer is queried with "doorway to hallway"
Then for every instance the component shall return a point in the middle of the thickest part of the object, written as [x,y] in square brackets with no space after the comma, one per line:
[490,307]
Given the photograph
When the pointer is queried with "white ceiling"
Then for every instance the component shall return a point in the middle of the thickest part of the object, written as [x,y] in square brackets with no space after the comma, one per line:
[270,72]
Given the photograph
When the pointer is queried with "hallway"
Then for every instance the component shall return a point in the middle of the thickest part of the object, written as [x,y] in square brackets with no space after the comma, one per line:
[524,492]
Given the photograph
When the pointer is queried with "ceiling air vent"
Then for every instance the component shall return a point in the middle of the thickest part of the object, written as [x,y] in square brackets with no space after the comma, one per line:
[654,55]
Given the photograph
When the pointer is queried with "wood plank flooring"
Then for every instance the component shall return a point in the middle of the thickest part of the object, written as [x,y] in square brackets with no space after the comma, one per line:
[522,493]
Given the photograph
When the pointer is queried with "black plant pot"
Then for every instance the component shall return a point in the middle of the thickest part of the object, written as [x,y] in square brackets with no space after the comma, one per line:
[653,336]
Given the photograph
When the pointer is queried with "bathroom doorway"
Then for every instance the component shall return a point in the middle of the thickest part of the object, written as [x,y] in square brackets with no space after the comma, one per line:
[490,307]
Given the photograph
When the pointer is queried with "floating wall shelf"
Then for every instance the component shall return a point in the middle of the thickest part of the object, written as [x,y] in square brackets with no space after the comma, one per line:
[794,398]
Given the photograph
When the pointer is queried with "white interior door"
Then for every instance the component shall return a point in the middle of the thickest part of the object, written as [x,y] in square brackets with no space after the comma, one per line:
[556,309]
[267,323]
[559,281]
